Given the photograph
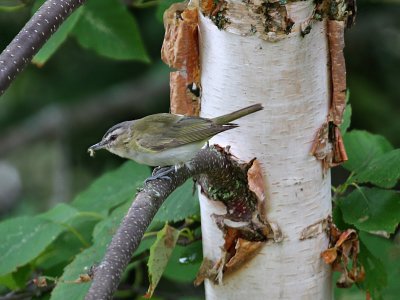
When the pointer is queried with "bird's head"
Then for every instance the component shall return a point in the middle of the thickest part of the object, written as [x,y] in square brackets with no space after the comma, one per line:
[115,140]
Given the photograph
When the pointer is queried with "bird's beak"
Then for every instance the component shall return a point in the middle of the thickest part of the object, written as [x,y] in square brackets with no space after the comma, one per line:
[98,146]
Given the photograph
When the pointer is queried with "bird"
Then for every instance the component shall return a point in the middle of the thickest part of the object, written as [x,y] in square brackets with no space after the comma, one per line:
[166,141]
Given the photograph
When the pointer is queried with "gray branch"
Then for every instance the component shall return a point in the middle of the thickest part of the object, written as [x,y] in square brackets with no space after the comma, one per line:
[107,275]
[32,37]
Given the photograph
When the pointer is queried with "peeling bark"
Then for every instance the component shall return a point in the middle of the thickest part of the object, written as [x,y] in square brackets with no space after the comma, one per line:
[342,254]
[180,51]
[338,69]
[244,226]
[106,276]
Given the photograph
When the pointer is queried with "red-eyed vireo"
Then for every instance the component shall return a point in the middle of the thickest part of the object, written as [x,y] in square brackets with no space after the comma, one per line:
[166,139]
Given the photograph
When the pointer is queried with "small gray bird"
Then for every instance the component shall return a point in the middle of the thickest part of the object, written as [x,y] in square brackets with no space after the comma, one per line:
[166,139]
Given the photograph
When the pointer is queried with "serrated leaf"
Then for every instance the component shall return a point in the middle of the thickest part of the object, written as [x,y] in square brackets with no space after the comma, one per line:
[184,263]
[383,171]
[389,252]
[372,209]
[346,120]
[160,253]
[109,29]
[23,239]
[113,188]
[66,289]
[362,147]
[57,38]
[102,235]
[181,204]
[63,250]
[376,275]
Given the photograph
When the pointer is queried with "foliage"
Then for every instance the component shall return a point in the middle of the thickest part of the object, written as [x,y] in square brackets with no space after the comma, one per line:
[65,242]
[100,25]
[365,202]
[56,243]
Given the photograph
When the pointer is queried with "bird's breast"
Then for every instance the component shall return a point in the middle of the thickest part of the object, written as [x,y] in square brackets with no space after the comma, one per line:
[167,157]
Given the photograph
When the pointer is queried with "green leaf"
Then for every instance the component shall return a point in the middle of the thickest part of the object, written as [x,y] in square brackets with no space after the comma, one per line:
[145,245]
[160,253]
[383,171]
[388,252]
[105,229]
[113,188]
[180,204]
[18,279]
[60,213]
[63,250]
[184,263]
[82,263]
[23,239]
[11,5]
[57,38]
[102,235]
[362,147]
[346,120]
[372,209]
[376,275]
[109,29]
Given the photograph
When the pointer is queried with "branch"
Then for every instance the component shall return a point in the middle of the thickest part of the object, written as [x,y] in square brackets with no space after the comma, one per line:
[32,37]
[128,236]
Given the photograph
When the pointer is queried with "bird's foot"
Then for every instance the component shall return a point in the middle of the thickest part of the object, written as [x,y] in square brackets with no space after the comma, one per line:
[160,173]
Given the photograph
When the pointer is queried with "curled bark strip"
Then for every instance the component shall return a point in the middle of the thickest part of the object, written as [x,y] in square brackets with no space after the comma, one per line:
[180,50]
[328,146]
[315,229]
[342,254]
[338,69]
[339,152]
[244,226]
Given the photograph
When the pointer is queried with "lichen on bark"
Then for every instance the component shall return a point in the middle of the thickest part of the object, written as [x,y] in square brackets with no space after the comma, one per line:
[244,225]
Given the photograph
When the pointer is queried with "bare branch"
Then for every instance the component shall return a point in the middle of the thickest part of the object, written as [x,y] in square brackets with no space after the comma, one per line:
[125,241]
[32,37]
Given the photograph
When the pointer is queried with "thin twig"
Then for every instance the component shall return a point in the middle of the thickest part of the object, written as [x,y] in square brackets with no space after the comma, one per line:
[32,37]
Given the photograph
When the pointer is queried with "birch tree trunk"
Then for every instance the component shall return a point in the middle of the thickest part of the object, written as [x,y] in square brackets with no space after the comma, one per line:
[289,75]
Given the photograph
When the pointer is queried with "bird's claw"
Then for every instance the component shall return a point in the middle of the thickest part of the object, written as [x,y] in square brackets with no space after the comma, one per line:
[160,173]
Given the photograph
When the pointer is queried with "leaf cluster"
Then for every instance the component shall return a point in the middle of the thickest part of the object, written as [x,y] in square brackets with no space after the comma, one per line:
[369,202]
[64,243]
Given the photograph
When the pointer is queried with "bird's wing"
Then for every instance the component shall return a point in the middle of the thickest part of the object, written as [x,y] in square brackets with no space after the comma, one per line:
[171,131]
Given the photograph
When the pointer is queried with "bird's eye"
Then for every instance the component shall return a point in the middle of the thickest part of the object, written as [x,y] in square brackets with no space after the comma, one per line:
[113,137]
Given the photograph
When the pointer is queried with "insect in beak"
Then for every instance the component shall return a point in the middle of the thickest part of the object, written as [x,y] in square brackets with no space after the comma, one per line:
[95,147]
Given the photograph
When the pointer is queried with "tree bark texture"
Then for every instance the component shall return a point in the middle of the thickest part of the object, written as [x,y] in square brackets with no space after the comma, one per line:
[289,75]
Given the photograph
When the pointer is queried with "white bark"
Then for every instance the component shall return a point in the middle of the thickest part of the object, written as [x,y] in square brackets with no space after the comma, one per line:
[290,78]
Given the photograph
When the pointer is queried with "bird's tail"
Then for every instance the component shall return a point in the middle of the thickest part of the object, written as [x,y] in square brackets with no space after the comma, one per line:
[225,119]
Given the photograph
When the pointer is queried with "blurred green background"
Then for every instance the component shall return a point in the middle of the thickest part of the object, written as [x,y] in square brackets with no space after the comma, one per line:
[50,115]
